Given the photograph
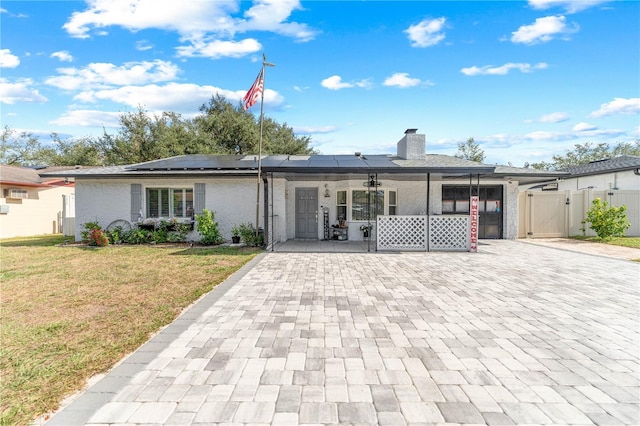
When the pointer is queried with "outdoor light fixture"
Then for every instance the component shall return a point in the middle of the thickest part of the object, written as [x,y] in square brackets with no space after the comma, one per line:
[326,191]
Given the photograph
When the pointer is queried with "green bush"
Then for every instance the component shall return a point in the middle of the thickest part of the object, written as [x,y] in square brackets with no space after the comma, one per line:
[606,221]
[88,228]
[137,236]
[208,228]
[248,235]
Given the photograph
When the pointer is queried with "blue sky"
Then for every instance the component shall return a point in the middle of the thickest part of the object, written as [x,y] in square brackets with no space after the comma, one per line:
[526,79]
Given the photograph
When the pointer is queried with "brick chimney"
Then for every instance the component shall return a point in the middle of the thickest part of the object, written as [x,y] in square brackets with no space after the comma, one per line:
[412,145]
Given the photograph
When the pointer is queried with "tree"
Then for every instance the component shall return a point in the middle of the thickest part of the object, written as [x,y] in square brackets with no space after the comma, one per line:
[220,128]
[229,129]
[586,153]
[470,150]
[19,149]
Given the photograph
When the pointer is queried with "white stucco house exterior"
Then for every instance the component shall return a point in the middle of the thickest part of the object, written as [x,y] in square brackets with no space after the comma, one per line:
[306,196]
[567,199]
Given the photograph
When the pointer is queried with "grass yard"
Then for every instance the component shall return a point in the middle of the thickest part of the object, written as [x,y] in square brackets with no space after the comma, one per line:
[68,313]
[633,242]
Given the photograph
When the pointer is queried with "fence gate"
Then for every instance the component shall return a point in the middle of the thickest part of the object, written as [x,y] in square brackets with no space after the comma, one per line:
[544,214]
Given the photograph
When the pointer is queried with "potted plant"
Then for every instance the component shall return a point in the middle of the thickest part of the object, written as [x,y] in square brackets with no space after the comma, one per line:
[366,229]
[235,234]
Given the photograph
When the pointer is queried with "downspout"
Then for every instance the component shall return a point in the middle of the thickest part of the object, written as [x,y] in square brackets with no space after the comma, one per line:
[266,211]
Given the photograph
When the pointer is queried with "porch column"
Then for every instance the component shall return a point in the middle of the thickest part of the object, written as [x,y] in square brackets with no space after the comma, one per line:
[265,234]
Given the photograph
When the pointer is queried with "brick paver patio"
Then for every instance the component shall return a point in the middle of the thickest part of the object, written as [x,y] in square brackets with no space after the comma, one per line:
[514,334]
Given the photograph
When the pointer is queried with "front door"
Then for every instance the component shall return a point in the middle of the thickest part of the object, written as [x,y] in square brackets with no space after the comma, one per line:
[307,213]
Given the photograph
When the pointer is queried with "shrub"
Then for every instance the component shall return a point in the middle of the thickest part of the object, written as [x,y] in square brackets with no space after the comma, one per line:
[115,235]
[137,236]
[98,238]
[606,221]
[208,228]
[88,228]
[248,234]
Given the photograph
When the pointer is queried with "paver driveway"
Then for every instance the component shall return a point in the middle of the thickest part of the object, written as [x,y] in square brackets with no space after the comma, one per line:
[516,333]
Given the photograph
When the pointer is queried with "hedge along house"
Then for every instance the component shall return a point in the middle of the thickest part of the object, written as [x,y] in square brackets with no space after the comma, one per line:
[411,200]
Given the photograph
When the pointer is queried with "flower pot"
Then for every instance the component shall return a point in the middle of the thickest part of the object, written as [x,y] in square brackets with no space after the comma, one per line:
[235,239]
[365,233]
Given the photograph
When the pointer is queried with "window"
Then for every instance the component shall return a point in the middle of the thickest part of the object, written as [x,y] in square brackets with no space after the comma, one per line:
[169,202]
[341,205]
[455,199]
[363,205]
[392,203]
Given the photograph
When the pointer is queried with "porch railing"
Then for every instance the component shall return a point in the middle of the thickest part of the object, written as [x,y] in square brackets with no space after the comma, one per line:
[421,232]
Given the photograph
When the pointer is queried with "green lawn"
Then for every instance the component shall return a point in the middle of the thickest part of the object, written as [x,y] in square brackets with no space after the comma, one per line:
[633,242]
[68,313]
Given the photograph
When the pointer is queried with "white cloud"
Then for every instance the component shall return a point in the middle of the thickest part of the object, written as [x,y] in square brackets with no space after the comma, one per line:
[570,6]
[618,106]
[88,118]
[7,59]
[401,79]
[549,136]
[271,15]
[185,17]
[309,130]
[554,117]
[143,45]
[335,83]
[100,75]
[183,98]
[543,30]
[583,127]
[426,33]
[19,91]
[191,19]
[215,49]
[503,69]
[62,55]
[576,133]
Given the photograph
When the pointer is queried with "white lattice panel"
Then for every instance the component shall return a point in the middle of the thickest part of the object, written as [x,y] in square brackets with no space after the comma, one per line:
[402,233]
[449,232]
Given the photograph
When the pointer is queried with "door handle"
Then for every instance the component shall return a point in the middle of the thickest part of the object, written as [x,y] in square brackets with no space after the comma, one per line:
[316,216]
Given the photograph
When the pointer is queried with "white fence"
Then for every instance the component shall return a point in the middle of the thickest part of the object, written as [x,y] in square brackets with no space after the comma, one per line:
[421,232]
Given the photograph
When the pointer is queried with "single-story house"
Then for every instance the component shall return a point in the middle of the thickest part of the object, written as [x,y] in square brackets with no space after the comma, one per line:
[567,199]
[32,205]
[617,173]
[314,196]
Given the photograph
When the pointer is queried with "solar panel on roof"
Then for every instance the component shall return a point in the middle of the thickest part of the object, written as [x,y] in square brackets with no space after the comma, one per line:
[351,162]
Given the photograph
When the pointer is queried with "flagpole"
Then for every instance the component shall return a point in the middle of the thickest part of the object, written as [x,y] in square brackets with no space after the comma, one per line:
[264,65]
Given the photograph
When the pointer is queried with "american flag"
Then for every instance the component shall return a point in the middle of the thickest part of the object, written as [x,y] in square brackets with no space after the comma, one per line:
[254,93]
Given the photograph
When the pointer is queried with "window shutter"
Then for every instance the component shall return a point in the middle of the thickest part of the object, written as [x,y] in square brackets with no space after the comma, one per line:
[136,201]
[198,198]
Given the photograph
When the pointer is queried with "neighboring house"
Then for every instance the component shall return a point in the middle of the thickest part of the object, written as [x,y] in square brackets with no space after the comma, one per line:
[31,205]
[306,197]
[566,200]
[618,173]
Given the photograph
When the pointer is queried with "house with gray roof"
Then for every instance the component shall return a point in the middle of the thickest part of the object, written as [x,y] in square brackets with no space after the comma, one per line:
[566,200]
[315,197]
